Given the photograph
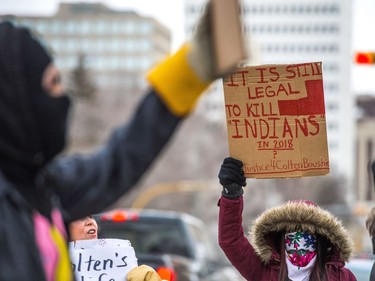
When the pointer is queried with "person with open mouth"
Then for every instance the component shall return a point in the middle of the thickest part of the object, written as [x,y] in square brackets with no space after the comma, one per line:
[86,228]
[83,229]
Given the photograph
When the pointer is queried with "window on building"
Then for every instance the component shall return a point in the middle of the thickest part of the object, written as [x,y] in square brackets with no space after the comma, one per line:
[70,26]
[57,45]
[144,63]
[333,126]
[333,9]
[144,45]
[116,27]
[333,145]
[332,106]
[130,45]
[145,27]
[99,45]
[130,27]
[130,63]
[85,27]
[115,45]
[56,26]
[102,27]
[41,26]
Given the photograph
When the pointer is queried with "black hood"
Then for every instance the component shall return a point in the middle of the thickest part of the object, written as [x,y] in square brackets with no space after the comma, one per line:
[32,124]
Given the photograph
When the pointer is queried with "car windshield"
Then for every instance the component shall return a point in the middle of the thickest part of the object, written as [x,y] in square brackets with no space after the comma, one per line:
[148,236]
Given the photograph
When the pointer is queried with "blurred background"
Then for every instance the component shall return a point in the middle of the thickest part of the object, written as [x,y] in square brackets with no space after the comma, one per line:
[104,48]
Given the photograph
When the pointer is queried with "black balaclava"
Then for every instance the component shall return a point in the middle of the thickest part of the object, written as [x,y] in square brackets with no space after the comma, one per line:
[32,123]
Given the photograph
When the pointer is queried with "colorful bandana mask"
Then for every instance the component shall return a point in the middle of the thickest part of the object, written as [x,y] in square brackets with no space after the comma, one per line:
[300,248]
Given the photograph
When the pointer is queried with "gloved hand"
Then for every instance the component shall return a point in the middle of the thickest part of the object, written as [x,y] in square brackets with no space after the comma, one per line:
[181,78]
[143,273]
[232,178]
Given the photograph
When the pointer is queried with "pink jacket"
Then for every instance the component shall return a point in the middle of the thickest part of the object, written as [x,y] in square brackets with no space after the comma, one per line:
[261,262]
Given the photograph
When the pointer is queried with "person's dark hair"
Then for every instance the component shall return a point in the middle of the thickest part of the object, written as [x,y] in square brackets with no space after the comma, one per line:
[370,222]
[318,272]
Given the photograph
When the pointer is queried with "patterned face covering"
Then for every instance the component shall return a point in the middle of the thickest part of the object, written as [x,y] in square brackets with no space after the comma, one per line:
[300,248]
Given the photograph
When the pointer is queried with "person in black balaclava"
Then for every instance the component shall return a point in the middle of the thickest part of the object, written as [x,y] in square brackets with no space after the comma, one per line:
[40,193]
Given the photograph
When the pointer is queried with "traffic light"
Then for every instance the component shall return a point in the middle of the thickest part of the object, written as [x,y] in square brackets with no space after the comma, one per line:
[365,57]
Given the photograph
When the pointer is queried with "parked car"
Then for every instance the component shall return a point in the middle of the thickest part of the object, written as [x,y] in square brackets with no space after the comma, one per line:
[361,268]
[184,238]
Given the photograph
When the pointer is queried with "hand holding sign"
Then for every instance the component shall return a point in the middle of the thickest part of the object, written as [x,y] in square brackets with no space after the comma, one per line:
[143,273]
[232,178]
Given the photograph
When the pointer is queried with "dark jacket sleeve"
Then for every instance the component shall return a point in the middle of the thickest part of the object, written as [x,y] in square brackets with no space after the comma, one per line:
[87,184]
[233,241]
[19,255]
[372,274]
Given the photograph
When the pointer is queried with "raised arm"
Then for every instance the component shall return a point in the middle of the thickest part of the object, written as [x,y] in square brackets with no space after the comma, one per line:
[232,239]
[88,184]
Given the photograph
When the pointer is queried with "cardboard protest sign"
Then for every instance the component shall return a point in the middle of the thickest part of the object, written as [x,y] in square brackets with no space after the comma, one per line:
[276,120]
[229,43]
[102,259]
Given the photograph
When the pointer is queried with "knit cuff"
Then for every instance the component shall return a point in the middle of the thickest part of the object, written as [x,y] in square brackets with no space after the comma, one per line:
[176,83]
[232,191]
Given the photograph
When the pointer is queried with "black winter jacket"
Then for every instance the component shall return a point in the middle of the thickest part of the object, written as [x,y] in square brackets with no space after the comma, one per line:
[79,186]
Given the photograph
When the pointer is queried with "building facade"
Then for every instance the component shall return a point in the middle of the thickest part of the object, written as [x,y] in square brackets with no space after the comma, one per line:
[119,46]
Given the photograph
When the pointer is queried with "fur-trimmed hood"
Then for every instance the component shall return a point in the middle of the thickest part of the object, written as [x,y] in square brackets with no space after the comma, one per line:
[299,216]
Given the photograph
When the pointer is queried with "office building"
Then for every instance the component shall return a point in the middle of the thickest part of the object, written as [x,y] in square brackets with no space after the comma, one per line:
[119,46]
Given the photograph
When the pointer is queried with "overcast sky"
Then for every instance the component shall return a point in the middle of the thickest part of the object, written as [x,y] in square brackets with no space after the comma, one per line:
[170,13]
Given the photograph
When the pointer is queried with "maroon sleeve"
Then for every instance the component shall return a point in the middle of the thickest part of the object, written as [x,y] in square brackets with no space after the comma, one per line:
[233,241]
[351,276]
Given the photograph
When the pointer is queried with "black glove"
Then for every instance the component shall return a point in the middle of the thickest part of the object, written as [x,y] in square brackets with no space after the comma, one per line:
[232,178]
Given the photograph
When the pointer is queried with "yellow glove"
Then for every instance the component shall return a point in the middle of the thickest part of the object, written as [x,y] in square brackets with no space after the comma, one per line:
[176,83]
[143,273]
[181,78]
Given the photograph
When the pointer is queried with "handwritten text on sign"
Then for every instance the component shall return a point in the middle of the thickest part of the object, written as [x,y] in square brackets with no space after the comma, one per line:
[102,259]
[276,120]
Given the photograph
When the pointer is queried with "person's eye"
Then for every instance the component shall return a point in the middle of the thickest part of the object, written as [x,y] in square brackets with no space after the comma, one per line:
[56,79]
[52,82]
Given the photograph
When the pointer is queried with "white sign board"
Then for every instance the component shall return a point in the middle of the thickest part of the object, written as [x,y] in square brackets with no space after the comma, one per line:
[102,259]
